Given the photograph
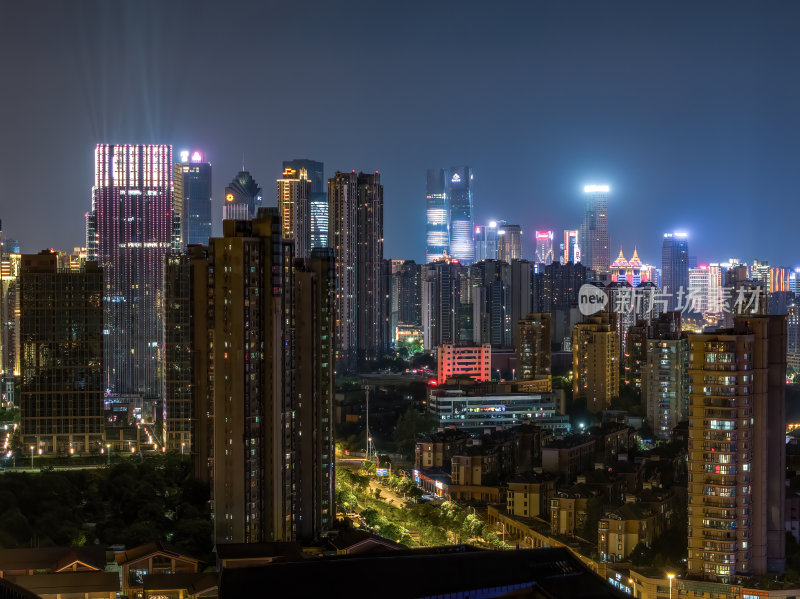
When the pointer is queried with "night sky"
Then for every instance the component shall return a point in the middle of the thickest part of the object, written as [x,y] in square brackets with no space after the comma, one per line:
[689,110]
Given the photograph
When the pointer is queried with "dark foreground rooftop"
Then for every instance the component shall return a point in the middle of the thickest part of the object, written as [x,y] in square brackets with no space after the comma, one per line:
[541,573]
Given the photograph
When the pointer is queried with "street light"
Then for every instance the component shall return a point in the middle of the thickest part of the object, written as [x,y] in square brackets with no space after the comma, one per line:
[633,582]
[182,446]
[670,576]
[31,456]
[108,454]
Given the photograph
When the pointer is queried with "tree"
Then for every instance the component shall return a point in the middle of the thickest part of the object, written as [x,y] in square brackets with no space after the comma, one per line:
[594,511]
[410,425]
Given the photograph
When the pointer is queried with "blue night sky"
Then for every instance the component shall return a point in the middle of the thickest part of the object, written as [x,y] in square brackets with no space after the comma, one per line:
[690,111]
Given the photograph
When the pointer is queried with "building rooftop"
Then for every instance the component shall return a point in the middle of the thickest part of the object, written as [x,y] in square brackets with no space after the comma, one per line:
[568,442]
[52,559]
[67,583]
[554,573]
[256,550]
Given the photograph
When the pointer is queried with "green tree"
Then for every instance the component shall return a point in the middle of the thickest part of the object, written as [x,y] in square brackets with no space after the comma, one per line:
[594,511]
[410,425]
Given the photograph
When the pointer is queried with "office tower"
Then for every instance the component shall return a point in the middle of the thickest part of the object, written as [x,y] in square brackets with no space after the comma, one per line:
[794,281]
[714,289]
[406,296]
[779,279]
[270,324]
[558,294]
[459,194]
[441,300]
[315,359]
[533,348]
[243,197]
[674,267]
[437,215]
[343,202]
[520,298]
[665,376]
[318,197]
[486,240]
[793,335]
[594,242]
[571,251]
[191,199]
[760,271]
[697,298]
[736,450]
[10,265]
[544,247]
[595,361]
[131,227]
[491,289]
[61,330]
[509,243]
[369,259]
[294,189]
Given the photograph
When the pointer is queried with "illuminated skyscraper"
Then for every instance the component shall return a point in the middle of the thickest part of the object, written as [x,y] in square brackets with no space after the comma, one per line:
[571,248]
[459,194]
[294,208]
[486,240]
[438,216]
[131,227]
[10,262]
[370,292]
[544,247]
[343,201]
[191,199]
[318,197]
[243,197]
[674,267]
[509,243]
[594,242]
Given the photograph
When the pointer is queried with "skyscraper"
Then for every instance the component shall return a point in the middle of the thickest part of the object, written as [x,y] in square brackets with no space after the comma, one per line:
[571,247]
[544,247]
[509,243]
[131,227]
[243,197]
[342,232]
[486,240]
[191,199]
[533,348]
[594,242]
[674,266]
[437,216]
[459,194]
[737,449]
[369,274]
[294,206]
[61,329]
[318,197]
[595,361]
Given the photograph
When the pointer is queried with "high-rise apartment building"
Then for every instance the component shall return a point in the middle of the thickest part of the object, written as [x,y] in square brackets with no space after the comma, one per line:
[356,236]
[509,243]
[459,194]
[370,292]
[441,303]
[294,189]
[675,267]
[130,230]
[272,330]
[318,198]
[737,450]
[544,247]
[437,215]
[10,264]
[665,375]
[533,348]
[243,197]
[520,295]
[191,199]
[594,241]
[595,361]
[61,331]
[406,296]
[699,290]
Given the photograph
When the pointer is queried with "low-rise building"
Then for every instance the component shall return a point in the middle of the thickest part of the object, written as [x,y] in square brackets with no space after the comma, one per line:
[457,360]
[568,510]
[152,558]
[436,450]
[569,456]
[624,528]
[611,439]
[528,495]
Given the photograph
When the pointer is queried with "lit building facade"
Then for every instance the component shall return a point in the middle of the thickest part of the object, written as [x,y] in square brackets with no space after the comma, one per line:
[318,198]
[458,360]
[294,206]
[486,240]
[665,383]
[131,229]
[437,216]
[243,198]
[509,243]
[459,194]
[533,349]
[370,288]
[570,250]
[61,330]
[737,450]
[544,247]
[674,266]
[594,241]
[630,271]
[595,361]
[191,199]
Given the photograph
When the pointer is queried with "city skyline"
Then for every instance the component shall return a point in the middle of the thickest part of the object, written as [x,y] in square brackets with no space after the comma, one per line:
[704,171]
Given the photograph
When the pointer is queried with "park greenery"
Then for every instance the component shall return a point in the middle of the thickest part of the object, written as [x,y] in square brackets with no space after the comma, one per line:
[413,523]
[131,502]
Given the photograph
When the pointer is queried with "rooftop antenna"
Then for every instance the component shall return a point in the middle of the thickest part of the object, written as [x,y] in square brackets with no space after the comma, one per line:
[243,169]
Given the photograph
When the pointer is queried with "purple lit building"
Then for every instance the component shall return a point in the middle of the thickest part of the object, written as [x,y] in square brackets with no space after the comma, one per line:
[130,231]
